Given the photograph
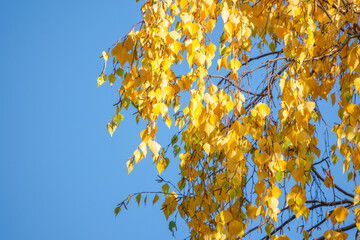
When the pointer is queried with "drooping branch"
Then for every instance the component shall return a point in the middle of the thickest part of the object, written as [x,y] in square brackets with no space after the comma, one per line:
[335,186]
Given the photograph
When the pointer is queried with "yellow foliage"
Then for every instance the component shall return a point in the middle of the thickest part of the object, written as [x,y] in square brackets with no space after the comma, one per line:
[339,215]
[255,124]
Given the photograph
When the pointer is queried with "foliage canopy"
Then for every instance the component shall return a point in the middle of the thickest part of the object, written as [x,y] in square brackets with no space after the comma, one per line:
[251,86]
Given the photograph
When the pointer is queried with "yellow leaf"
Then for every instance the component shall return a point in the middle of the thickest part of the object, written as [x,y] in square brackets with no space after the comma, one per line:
[280,32]
[225,216]
[199,59]
[142,147]
[229,106]
[161,165]
[247,32]
[208,128]
[163,109]
[239,128]
[168,121]
[356,84]
[229,28]
[236,227]
[120,53]
[222,63]
[166,64]
[225,13]
[194,28]
[350,132]
[207,148]
[356,199]
[186,111]
[184,4]
[333,99]
[306,235]
[129,165]
[283,237]
[154,147]
[260,188]
[195,45]
[185,17]
[174,35]
[156,198]
[211,48]
[137,156]
[273,202]
[175,47]
[234,65]
[212,89]
[263,109]
[339,215]
[210,24]
[111,127]
[332,234]
[170,204]
[251,212]
[106,56]
[156,109]
[329,182]
[276,192]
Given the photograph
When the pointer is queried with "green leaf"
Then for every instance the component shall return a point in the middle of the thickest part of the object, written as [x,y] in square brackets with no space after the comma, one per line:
[118,117]
[268,229]
[232,194]
[117,210]
[174,139]
[177,26]
[172,225]
[167,161]
[203,50]
[333,148]
[272,47]
[311,158]
[112,79]
[221,48]
[120,72]
[165,188]
[279,176]
[125,102]
[315,117]
[181,184]
[292,54]
[334,159]
[310,33]
[101,79]
[348,97]
[138,198]
[177,150]
[287,144]
[137,119]
[128,200]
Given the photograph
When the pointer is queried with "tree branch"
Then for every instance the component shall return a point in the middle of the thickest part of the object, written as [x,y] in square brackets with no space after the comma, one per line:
[335,186]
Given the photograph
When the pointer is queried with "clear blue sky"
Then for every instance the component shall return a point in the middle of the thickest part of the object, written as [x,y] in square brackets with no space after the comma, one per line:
[61,174]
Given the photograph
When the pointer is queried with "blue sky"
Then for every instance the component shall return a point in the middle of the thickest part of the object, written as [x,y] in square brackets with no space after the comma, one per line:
[61,174]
